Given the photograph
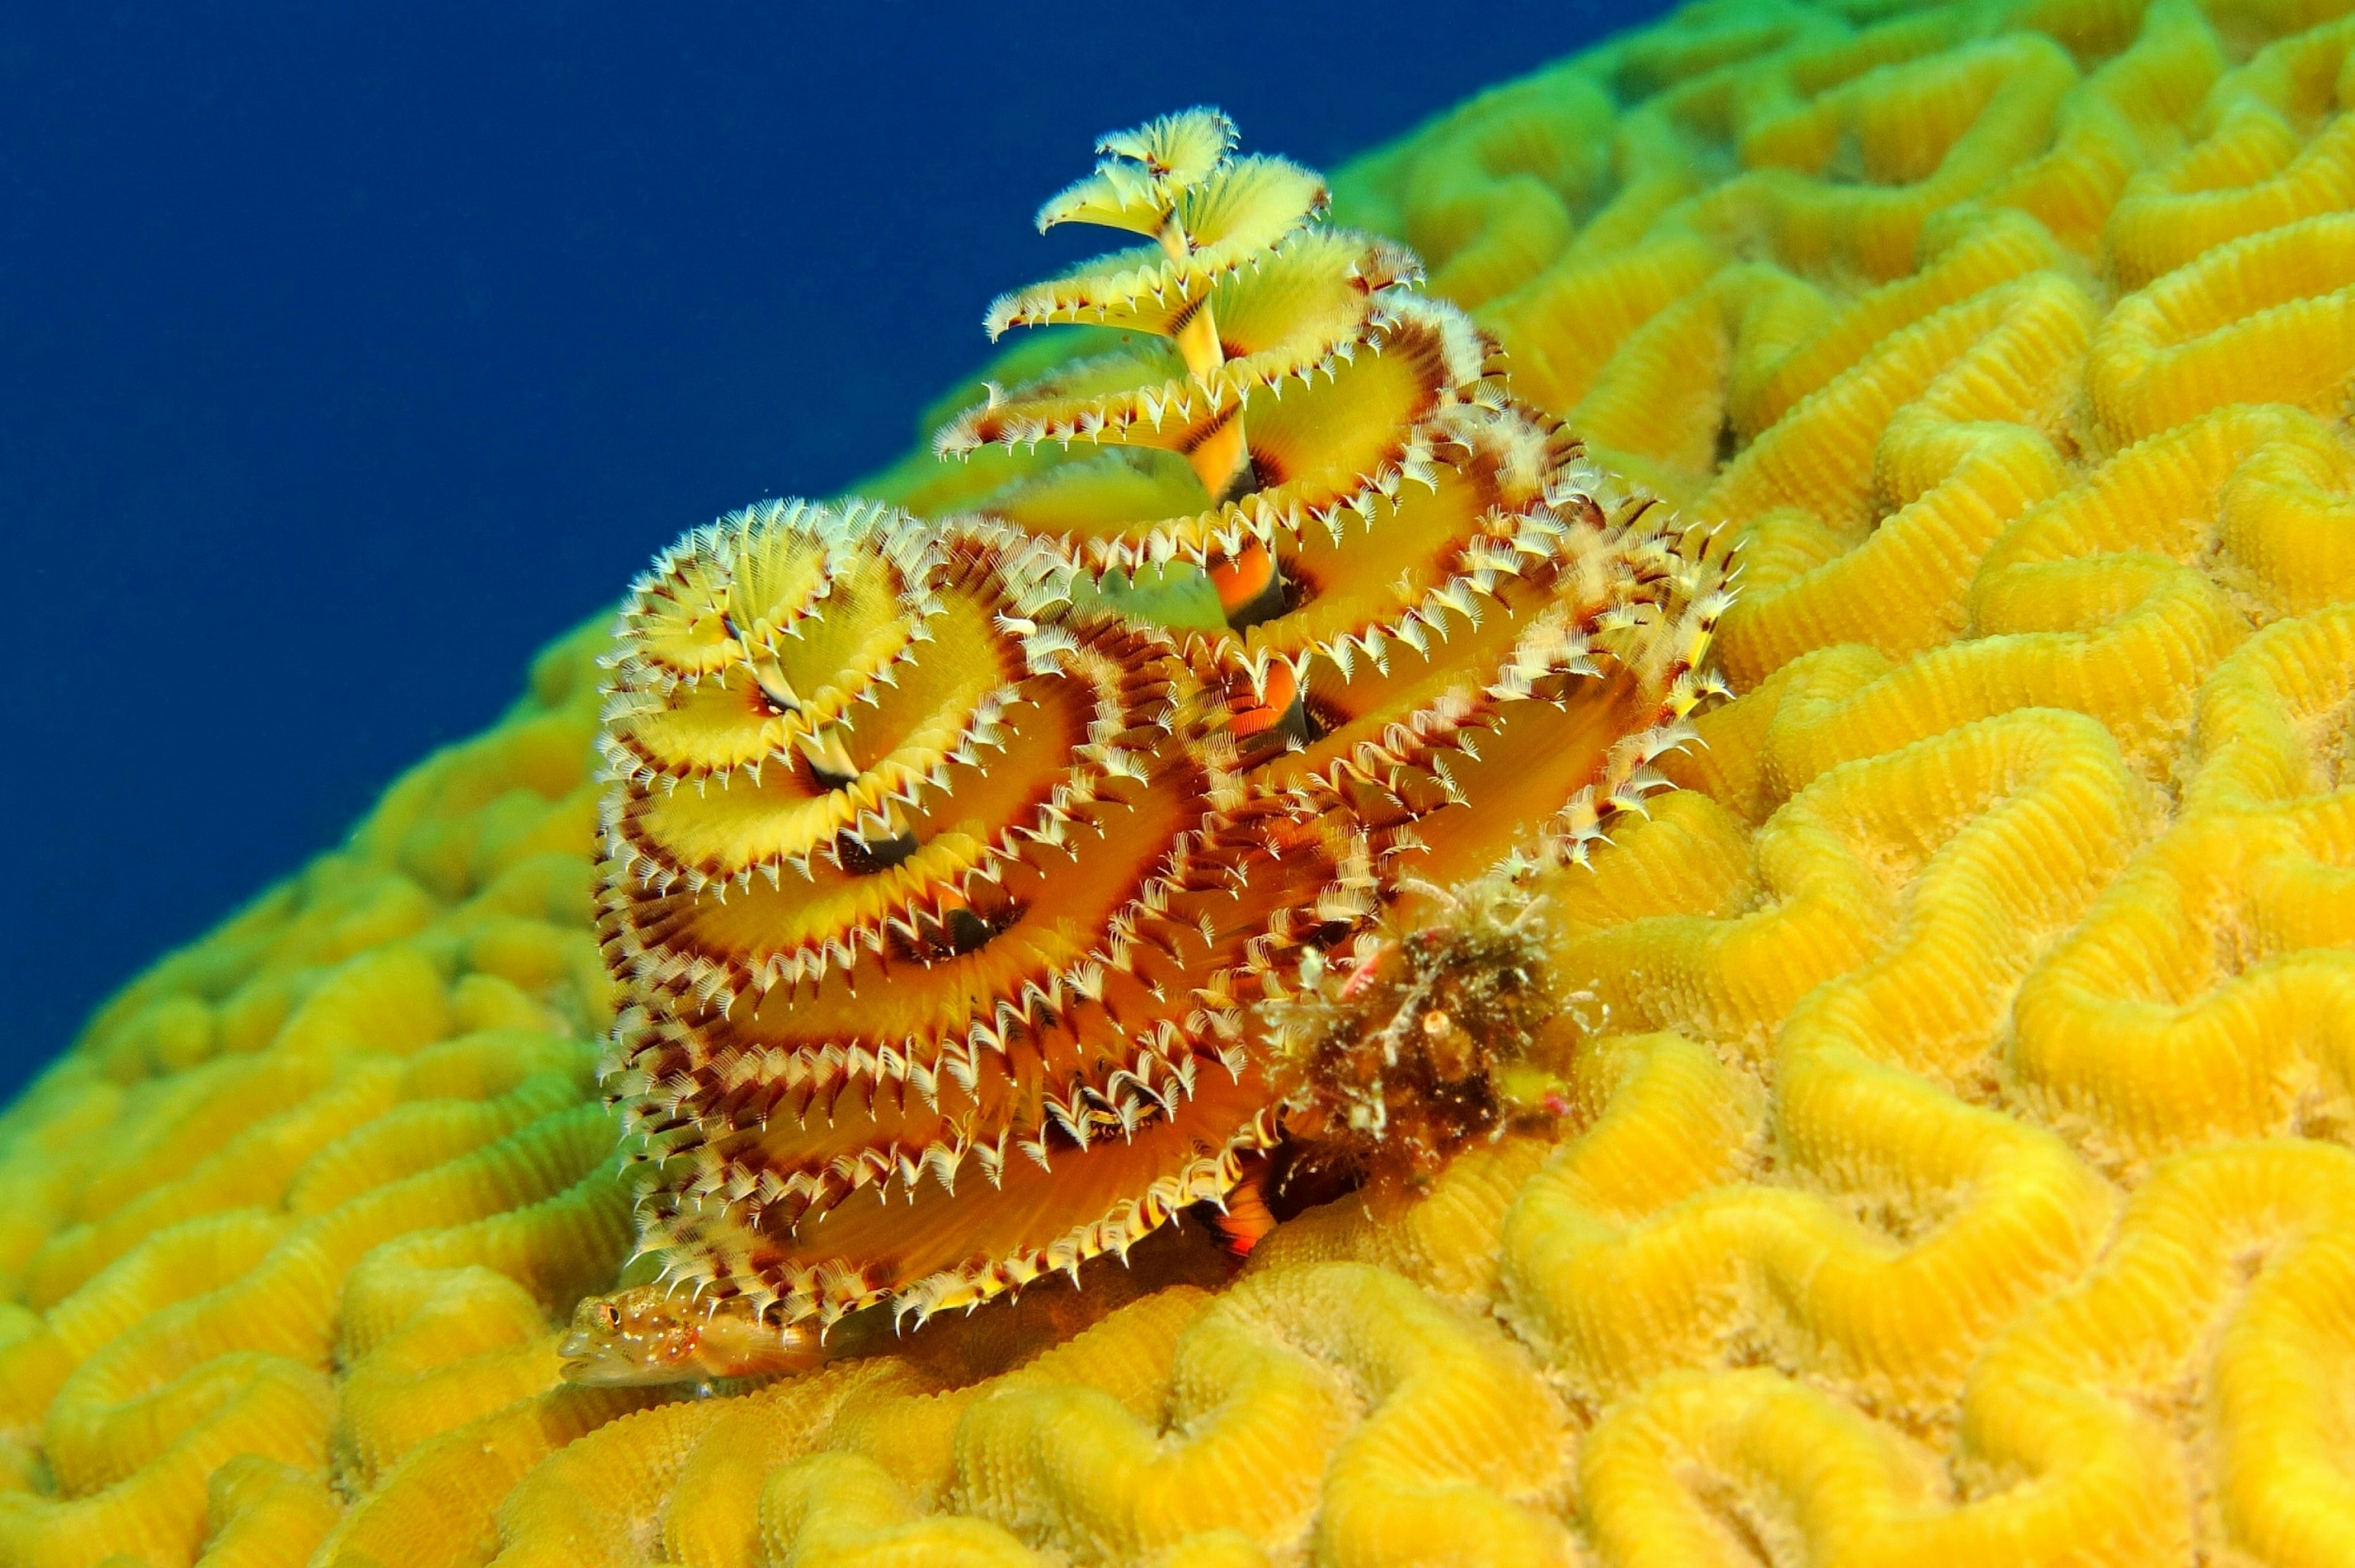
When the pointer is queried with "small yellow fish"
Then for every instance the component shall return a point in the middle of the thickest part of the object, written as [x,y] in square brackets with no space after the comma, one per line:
[649,1334]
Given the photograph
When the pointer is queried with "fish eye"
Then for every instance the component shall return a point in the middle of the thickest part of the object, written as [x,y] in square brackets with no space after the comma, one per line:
[609,1317]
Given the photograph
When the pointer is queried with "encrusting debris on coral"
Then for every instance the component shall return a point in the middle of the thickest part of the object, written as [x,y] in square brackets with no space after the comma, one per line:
[1433,1043]
[1943,1145]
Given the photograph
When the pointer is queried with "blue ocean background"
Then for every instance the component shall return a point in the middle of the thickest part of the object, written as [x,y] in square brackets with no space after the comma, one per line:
[348,353]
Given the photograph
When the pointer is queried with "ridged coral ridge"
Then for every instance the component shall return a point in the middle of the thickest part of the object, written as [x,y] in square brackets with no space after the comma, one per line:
[919,873]
[1932,1141]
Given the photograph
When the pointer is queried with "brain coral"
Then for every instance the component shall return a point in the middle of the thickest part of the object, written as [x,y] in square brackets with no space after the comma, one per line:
[1956,1077]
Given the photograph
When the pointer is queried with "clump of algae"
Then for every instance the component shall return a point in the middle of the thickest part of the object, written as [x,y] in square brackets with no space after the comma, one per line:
[1436,1041]
[1953,1157]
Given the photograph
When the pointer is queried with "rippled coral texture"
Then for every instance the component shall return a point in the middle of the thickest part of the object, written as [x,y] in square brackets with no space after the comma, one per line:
[1958,1163]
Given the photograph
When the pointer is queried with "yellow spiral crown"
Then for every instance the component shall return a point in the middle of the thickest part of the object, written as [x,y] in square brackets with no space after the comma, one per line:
[918,891]
[1344,458]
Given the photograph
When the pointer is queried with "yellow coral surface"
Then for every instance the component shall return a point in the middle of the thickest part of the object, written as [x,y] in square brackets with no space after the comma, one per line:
[1956,1160]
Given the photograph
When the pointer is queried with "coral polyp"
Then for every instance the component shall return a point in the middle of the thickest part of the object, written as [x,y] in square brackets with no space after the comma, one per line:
[937,873]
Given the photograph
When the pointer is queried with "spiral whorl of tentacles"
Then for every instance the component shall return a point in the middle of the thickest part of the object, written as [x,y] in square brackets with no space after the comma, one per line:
[1421,577]
[925,885]
[921,888]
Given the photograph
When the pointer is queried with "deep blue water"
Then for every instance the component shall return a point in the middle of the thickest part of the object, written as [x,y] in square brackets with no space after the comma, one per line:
[349,352]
